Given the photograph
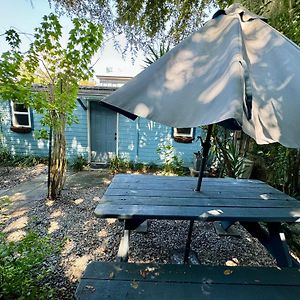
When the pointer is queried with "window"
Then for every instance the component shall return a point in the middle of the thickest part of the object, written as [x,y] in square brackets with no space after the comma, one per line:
[21,118]
[183,135]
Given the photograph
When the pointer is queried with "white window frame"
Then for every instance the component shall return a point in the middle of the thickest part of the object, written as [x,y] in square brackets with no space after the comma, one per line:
[177,134]
[14,113]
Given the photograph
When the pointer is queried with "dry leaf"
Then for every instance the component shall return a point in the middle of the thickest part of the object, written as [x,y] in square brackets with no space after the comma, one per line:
[228,272]
[90,287]
[134,284]
[111,275]
[143,273]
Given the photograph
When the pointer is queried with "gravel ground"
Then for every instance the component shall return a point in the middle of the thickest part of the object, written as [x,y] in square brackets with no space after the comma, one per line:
[85,238]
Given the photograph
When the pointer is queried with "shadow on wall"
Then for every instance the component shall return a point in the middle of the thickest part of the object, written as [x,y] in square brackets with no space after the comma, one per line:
[152,135]
[26,144]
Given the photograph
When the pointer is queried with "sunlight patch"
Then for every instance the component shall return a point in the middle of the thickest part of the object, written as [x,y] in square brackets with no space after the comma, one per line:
[142,110]
[79,201]
[111,221]
[53,227]
[57,213]
[20,223]
[102,233]
[79,265]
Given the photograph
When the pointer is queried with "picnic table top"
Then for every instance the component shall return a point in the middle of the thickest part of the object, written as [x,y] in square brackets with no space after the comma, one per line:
[173,197]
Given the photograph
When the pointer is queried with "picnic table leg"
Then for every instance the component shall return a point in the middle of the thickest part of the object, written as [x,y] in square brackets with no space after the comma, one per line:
[124,245]
[273,240]
[279,245]
[223,228]
[188,243]
[142,228]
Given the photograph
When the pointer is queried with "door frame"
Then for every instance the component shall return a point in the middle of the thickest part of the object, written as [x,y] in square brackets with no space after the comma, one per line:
[89,133]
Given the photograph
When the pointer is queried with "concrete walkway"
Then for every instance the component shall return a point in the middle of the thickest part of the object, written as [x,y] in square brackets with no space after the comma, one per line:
[23,194]
[26,193]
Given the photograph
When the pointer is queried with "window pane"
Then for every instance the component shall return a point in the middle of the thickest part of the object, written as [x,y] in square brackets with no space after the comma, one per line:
[184,130]
[21,120]
[20,107]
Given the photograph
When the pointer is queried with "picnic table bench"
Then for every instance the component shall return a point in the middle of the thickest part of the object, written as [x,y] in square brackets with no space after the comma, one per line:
[136,198]
[118,281]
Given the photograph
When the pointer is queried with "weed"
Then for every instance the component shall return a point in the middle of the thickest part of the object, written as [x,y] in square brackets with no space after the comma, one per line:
[7,159]
[171,162]
[5,202]
[79,163]
[119,165]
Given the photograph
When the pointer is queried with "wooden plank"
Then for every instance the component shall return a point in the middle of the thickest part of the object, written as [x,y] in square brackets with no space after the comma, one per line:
[141,178]
[192,273]
[205,202]
[177,180]
[186,185]
[186,282]
[92,289]
[253,194]
[198,213]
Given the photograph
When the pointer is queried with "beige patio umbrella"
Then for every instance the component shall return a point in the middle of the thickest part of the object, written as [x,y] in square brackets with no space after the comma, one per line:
[236,67]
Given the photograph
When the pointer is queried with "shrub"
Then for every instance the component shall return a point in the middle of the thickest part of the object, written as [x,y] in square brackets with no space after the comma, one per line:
[22,267]
[5,156]
[79,163]
[119,165]
[171,162]
[29,160]
[10,160]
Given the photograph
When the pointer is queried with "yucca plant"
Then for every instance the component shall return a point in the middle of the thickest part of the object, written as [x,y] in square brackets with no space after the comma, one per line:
[156,53]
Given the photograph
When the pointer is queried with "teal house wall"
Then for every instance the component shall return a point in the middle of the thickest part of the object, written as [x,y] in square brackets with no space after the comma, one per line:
[26,144]
[136,141]
[140,139]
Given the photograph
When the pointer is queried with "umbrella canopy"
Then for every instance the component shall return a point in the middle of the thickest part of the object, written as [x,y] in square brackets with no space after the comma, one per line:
[235,70]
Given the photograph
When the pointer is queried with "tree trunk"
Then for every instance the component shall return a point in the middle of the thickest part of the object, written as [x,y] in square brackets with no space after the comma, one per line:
[58,161]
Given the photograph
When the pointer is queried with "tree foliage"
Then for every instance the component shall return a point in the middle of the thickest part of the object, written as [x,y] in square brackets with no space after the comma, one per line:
[146,21]
[58,70]
[142,21]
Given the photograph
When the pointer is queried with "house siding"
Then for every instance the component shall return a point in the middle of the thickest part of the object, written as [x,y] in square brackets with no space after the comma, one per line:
[77,134]
[21,143]
[26,144]
[140,139]
[137,140]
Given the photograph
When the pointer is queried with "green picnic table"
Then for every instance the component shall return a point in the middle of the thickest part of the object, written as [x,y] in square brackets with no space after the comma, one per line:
[136,198]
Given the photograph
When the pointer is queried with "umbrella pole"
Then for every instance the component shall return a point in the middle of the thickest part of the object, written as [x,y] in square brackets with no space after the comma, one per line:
[206,146]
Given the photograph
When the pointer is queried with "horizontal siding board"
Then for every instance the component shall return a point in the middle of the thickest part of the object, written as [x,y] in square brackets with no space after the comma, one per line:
[26,144]
[137,140]
[140,139]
